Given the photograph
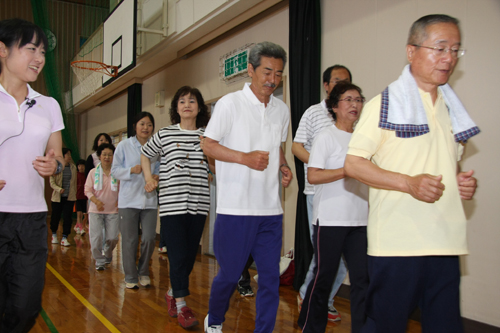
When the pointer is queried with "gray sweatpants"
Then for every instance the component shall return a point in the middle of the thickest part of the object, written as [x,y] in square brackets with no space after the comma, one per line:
[129,227]
[103,226]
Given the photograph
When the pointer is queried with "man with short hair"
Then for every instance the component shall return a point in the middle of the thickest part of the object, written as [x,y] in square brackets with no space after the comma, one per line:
[406,147]
[314,119]
[244,136]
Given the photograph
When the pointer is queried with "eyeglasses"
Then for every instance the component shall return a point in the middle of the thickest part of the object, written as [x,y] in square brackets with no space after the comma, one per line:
[106,155]
[350,100]
[441,51]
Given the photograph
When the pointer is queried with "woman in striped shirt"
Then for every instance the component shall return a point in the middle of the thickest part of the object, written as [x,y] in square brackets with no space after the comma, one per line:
[184,192]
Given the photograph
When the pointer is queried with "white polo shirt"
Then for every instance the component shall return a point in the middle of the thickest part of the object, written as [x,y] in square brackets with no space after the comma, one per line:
[25,131]
[241,122]
[314,119]
[342,203]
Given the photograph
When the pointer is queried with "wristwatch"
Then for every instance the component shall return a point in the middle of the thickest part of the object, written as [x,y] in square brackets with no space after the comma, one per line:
[59,168]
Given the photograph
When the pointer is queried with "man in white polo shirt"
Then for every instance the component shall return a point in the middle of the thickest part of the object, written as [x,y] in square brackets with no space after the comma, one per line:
[314,119]
[244,136]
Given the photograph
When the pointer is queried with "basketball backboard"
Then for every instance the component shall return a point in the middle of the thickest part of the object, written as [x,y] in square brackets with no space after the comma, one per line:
[119,39]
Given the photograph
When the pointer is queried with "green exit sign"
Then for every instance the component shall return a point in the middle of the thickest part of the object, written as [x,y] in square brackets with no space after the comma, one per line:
[236,64]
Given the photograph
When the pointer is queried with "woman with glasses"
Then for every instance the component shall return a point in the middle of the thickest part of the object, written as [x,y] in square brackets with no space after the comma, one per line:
[101,187]
[340,214]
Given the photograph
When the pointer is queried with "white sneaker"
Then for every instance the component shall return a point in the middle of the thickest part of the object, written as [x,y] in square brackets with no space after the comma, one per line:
[54,239]
[213,328]
[162,249]
[77,230]
[145,281]
[64,242]
[132,285]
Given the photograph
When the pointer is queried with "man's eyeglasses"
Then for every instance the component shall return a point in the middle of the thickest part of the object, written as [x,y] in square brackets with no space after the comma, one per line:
[350,100]
[440,51]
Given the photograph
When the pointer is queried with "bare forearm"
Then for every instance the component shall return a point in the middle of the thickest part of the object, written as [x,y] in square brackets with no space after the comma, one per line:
[146,167]
[300,152]
[216,151]
[318,176]
[370,174]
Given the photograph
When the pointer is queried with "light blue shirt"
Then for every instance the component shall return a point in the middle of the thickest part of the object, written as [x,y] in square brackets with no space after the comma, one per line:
[132,193]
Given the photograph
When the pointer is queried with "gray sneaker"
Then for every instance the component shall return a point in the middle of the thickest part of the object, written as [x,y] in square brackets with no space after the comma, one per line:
[213,328]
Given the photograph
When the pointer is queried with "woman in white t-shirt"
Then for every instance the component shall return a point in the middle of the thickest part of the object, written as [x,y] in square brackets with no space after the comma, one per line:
[340,214]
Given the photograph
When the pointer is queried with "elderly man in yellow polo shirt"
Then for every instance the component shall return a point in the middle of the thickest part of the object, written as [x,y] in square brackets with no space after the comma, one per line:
[406,148]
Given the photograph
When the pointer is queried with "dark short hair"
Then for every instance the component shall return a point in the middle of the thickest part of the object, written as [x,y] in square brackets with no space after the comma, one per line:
[94,147]
[65,151]
[104,146]
[141,115]
[327,74]
[418,30]
[21,32]
[80,162]
[337,91]
[266,49]
[203,115]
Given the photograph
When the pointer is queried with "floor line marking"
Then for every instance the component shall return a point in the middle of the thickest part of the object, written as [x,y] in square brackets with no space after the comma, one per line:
[48,322]
[82,299]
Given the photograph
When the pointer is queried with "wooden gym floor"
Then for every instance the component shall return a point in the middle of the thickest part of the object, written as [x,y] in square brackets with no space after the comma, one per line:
[77,298]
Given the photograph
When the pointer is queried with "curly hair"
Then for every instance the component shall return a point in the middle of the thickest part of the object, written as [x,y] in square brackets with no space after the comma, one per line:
[203,115]
[337,91]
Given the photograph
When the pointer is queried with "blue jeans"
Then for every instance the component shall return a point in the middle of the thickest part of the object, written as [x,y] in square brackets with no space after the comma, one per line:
[341,273]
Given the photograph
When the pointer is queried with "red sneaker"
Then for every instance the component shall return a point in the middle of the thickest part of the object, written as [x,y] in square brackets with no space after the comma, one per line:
[333,314]
[171,306]
[186,318]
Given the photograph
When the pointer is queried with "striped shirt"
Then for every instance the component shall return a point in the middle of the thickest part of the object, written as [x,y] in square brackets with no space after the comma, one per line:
[314,119]
[183,170]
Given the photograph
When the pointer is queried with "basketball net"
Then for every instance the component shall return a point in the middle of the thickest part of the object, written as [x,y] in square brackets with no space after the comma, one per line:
[89,74]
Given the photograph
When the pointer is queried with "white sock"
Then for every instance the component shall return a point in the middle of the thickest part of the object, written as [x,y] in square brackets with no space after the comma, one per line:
[180,305]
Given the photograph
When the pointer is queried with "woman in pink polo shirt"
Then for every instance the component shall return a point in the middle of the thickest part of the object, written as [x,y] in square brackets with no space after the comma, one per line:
[102,190]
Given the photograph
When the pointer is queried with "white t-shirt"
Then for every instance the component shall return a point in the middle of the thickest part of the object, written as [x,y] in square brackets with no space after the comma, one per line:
[25,188]
[241,122]
[343,202]
[314,119]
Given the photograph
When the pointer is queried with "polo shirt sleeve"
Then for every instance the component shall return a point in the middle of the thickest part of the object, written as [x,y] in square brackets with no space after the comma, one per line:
[367,136]
[221,121]
[56,115]
[303,129]
[321,149]
[286,123]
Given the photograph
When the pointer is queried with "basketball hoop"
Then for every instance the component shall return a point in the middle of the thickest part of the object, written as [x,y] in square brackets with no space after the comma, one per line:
[89,74]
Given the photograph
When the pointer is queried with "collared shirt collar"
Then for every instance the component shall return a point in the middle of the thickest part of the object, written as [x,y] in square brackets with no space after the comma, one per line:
[136,142]
[31,93]
[251,96]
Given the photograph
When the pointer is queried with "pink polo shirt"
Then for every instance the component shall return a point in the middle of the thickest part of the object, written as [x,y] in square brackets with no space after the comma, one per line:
[108,197]
[24,133]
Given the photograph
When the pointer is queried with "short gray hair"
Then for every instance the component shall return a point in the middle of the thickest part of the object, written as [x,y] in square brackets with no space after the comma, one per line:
[266,49]
[418,31]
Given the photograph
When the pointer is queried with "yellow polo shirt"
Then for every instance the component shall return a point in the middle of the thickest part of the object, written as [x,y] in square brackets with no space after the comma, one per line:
[398,224]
